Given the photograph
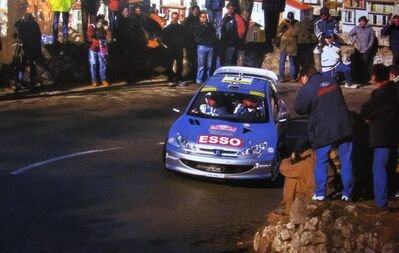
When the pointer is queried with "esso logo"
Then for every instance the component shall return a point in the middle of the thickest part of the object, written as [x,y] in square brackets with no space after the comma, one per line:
[219,140]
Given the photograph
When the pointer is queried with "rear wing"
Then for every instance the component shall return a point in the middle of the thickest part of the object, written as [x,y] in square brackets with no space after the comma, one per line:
[252,72]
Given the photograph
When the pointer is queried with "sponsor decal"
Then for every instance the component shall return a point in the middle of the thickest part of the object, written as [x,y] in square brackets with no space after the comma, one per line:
[237,80]
[257,93]
[209,88]
[324,84]
[326,89]
[219,140]
[223,128]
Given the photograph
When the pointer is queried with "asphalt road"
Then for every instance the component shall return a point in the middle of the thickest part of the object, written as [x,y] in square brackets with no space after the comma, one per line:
[81,171]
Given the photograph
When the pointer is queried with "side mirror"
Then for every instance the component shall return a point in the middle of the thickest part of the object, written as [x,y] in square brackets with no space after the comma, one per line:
[283,114]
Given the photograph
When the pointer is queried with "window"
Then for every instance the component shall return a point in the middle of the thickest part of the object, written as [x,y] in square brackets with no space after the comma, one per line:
[230,106]
[348,16]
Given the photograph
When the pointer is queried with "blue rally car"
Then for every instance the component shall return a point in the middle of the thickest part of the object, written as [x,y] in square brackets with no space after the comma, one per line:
[232,128]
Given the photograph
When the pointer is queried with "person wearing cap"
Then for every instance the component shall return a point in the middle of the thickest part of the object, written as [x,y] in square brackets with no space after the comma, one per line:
[331,62]
[288,46]
[392,30]
[98,36]
[381,111]
[324,24]
[363,38]
[213,105]
[248,108]
[329,126]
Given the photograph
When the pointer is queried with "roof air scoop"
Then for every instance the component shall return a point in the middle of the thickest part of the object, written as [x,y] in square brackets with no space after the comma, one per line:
[234,86]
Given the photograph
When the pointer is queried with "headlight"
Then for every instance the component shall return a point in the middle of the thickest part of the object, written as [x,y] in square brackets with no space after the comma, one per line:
[256,150]
[184,144]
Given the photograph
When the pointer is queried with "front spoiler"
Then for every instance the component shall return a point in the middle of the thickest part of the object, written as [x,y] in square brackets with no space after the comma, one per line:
[260,170]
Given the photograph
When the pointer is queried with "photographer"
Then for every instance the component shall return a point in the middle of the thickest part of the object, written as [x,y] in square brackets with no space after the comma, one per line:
[288,46]
[98,36]
[28,50]
[331,62]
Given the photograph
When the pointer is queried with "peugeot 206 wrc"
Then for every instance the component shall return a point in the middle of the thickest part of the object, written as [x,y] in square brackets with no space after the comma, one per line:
[232,128]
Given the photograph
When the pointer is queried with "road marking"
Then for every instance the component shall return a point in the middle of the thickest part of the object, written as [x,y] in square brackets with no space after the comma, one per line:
[26,168]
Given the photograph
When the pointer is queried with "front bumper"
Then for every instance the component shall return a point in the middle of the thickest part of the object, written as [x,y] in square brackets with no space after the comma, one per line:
[219,167]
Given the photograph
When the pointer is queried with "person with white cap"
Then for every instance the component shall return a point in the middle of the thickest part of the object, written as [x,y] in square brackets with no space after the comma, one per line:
[213,105]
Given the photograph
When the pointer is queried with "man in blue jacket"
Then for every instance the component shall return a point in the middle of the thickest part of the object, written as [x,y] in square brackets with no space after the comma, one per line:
[330,125]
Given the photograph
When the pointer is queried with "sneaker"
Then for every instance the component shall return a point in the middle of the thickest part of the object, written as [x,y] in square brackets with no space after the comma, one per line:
[318,198]
[347,85]
[181,83]
[94,84]
[172,84]
[353,86]
[345,198]
[105,83]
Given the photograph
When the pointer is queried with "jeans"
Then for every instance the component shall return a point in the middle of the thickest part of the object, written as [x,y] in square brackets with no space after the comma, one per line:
[380,176]
[65,20]
[205,55]
[321,170]
[283,57]
[346,69]
[215,18]
[229,56]
[172,56]
[27,60]
[95,57]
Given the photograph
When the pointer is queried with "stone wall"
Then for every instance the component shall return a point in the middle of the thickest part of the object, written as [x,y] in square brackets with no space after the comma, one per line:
[330,227]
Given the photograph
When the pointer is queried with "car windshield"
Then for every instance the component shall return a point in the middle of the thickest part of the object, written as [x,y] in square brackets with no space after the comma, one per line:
[238,107]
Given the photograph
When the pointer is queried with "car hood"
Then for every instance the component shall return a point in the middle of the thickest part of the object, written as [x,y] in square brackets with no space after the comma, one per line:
[236,135]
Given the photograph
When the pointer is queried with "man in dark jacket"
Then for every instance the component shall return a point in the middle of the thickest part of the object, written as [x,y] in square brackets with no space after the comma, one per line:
[205,38]
[392,30]
[271,10]
[330,125]
[230,38]
[382,113]
[133,42]
[29,34]
[191,23]
[173,36]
